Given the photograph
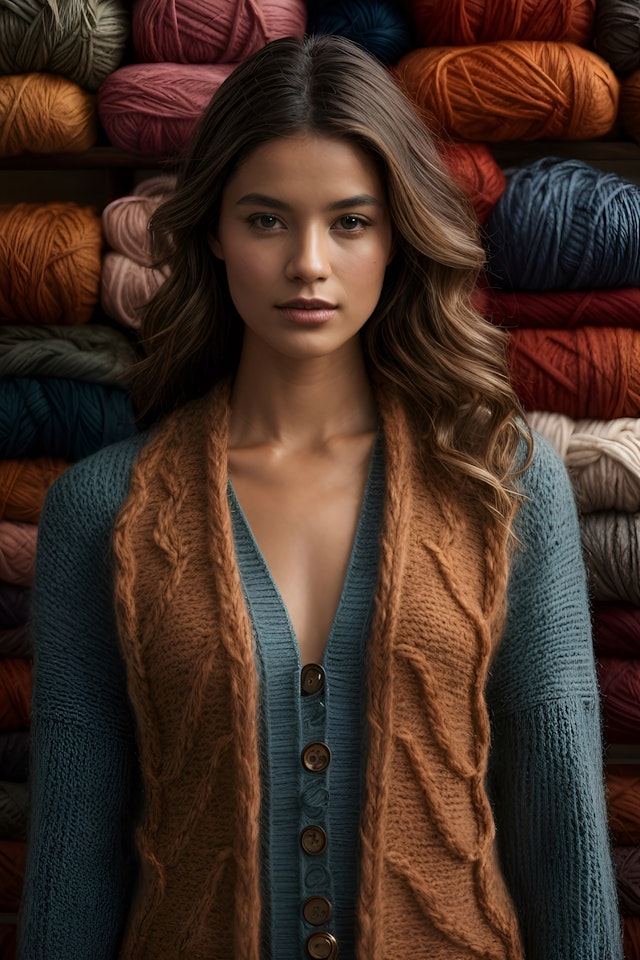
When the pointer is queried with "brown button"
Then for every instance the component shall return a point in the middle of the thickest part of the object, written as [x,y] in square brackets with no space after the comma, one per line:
[311,678]
[314,841]
[322,946]
[316,911]
[316,756]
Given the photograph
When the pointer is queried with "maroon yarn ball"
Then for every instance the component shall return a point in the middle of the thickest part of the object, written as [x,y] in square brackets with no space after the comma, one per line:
[212,31]
[620,690]
[562,309]
[616,629]
[152,109]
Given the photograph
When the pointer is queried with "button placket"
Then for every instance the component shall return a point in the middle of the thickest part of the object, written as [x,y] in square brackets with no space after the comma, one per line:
[315,761]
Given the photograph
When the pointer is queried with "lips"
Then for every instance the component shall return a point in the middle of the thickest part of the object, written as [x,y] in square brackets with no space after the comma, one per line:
[307,312]
[300,303]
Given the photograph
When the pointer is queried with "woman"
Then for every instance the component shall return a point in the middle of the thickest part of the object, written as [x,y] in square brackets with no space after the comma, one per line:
[320,633]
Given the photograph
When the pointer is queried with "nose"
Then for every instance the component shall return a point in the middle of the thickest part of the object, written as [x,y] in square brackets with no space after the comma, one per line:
[309,255]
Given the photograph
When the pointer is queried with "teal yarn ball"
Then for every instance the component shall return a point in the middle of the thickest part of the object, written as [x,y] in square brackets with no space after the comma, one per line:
[57,417]
[376,25]
[563,225]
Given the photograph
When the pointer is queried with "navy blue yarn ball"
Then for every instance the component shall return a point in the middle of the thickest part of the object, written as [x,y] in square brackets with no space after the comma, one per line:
[563,225]
[377,25]
[56,417]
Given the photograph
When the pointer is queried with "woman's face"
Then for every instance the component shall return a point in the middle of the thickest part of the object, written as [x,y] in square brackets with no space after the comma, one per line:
[305,235]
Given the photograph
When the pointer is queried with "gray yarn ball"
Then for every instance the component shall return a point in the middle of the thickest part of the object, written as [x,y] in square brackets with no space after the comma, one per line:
[617,34]
[82,40]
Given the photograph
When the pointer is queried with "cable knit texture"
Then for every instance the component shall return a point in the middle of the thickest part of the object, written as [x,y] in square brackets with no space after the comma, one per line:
[428,868]
[429,882]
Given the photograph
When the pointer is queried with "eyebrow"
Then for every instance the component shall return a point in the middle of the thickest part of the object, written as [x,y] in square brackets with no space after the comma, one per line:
[260,199]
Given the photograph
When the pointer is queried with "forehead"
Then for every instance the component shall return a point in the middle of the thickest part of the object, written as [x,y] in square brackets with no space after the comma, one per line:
[307,164]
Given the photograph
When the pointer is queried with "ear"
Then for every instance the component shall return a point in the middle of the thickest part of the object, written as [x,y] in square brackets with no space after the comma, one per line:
[216,247]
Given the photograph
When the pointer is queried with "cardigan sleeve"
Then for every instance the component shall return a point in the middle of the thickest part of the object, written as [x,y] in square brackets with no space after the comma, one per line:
[545,774]
[80,865]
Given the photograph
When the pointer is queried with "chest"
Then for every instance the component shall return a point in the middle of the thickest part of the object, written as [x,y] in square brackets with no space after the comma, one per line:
[304,519]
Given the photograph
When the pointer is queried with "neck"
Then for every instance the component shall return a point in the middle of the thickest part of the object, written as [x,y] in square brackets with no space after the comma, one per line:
[300,404]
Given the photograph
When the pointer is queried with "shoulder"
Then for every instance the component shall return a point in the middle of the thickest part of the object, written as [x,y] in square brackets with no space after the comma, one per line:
[90,493]
[548,508]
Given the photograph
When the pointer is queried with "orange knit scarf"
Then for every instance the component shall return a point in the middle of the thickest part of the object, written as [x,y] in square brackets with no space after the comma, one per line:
[429,884]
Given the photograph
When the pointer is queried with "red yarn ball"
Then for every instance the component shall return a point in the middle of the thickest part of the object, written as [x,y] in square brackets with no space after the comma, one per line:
[620,690]
[561,309]
[478,173]
[212,31]
[152,109]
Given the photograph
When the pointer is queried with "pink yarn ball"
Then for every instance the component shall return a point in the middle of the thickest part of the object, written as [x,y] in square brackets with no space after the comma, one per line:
[152,109]
[125,221]
[212,31]
[126,286]
[18,552]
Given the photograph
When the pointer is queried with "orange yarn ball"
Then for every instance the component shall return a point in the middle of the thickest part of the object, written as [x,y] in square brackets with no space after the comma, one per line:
[43,113]
[630,104]
[512,90]
[462,22]
[24,485]
[477,173]
[49,263]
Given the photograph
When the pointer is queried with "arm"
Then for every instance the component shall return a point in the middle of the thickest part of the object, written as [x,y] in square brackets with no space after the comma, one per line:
[80,864]
[545,778]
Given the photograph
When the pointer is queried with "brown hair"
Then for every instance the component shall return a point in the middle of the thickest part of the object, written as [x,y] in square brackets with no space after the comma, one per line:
[424,335]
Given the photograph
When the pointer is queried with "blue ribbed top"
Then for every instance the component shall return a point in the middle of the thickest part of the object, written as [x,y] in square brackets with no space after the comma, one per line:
[293,797]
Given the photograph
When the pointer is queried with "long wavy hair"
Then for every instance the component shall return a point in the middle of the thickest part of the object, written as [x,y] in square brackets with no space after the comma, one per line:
[424,336]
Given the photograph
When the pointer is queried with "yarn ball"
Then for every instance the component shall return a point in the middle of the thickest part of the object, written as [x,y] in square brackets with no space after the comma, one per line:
[152,109]
[13,858]
[630,105]
[16,642]
[618,307]
[15,603]
[83,40]
[620,698]
[50,262]
[14,756]
[616,630]
[376,25]
[17,552]
[512,90]
[588,372]
[14,809]
[562,224]
[56,417]
[623,801]
[212,31]
[617,33]
[24,485]
[611,548]
[15,694]
[602,458]
[631,938]
[44,113]
[477,173]
[125,221]
[464,22]
[626,863]
[126,287]
[90,352]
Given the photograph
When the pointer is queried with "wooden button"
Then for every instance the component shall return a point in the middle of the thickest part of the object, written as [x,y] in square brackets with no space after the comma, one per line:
[311,678]
[316,756]
[321,946]
[317,911]
[314,841]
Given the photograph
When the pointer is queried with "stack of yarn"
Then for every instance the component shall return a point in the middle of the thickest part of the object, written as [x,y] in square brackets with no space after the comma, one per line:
[185,49]
[509,71]
[563,244]
[53,57]
[62,397]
